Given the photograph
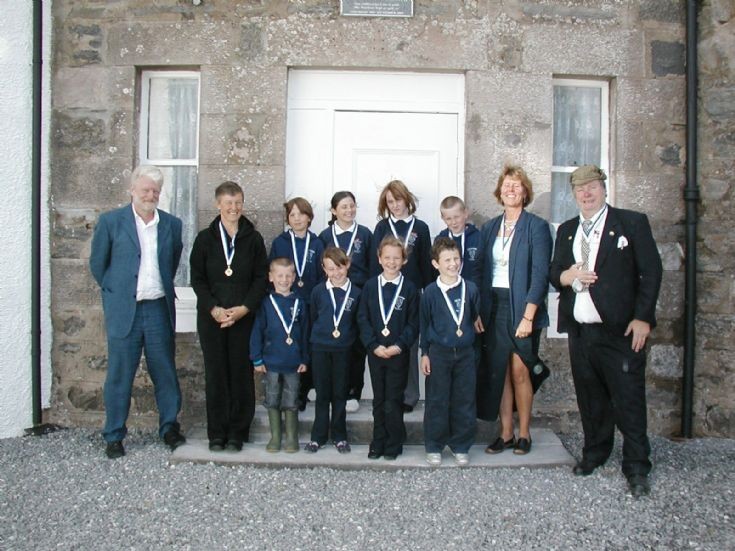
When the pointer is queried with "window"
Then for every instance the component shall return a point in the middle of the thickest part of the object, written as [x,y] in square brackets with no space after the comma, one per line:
[581,133]
[169,139]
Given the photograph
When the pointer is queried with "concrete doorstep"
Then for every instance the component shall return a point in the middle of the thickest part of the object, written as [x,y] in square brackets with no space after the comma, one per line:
[547,450]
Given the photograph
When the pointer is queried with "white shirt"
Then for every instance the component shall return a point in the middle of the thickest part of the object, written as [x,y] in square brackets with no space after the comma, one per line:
[150,285]
[584,308]
[344,286]
[407,220]
[339,231]
[445,287]
[501,269]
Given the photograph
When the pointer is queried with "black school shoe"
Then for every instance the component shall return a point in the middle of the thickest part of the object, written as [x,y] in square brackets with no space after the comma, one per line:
[217,444]
[234,446]
[114,450]
[639,486]
[500,445]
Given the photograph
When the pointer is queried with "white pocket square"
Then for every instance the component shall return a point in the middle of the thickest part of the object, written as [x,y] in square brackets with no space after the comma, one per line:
[622,242]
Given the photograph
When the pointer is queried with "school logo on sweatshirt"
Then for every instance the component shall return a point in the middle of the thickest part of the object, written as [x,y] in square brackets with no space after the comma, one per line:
[412,238]
[294,314]
[310,256]
[471,253]
[457,305]
[357,246]
[399,302]
[350,302]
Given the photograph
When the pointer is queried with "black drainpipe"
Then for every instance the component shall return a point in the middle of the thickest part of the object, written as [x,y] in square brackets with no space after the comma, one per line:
[691,199]
[36,218]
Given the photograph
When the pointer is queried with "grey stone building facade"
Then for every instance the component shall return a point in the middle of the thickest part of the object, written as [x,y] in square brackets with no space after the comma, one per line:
[514,57]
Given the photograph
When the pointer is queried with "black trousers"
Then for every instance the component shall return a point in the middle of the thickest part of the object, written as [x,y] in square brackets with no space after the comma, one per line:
[228,377]
[357,370]
[610,383]
[388,378]
[330,374]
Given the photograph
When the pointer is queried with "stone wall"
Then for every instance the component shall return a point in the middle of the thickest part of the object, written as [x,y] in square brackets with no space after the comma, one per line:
[714,399]
[509,52]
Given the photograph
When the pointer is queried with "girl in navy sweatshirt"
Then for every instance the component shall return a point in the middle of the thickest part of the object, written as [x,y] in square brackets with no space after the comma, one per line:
[333,332]
[388,321]
[396,208]
[305,249]
[357,242]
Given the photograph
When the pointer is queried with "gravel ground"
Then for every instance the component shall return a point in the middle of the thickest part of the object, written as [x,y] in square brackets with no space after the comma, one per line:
[59,491]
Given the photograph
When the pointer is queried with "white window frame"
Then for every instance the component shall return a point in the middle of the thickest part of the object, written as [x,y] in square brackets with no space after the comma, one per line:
[604,86]
[185,297]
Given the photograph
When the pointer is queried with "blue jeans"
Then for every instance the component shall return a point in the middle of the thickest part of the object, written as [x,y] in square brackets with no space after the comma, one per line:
[281,390]
[151,332]
[449,414]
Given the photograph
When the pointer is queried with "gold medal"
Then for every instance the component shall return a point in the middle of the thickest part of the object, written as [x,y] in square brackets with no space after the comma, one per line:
[459,332]
[336,333]
[228,271]
[289,340]
[385,332]
[300,283]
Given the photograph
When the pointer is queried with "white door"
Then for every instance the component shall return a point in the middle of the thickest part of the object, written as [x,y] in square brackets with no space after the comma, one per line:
[356,131]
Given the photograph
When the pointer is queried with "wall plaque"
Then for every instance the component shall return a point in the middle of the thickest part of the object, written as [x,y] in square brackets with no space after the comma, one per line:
[377,8]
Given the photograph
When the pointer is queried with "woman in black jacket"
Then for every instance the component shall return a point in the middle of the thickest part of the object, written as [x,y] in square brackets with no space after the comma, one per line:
[228,274]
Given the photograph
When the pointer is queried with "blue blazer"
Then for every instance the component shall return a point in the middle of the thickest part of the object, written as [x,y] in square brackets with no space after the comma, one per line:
[528,266]
[115,262]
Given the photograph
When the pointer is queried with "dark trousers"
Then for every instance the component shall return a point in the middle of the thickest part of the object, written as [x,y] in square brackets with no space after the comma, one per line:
[151,332]
[330,373]
[609,379]
[228,378]
[388,378]
[449,414]
[412,391]
[357,370]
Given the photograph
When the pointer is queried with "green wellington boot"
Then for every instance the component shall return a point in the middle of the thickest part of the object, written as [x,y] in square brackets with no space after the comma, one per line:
[292,432]
[274,420]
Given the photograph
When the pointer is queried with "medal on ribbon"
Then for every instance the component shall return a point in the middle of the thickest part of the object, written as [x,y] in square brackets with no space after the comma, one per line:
[286,327]
[386,316]
[337,316]
[300,264]
[455,316]
[228,247]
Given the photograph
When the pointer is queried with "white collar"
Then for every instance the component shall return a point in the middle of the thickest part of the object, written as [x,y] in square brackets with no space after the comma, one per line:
[339,231]
[142,222]
[444,287]
[407,220]
[343,287]
[452,234]
[395,280]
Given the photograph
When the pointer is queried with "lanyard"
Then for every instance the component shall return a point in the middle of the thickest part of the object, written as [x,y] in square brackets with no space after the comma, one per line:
[352,239]
[386,317]
[588,231]
[229,254]
[408,233]
[461,243]
[337,317]
[300,265]
[289,327]
[456,317]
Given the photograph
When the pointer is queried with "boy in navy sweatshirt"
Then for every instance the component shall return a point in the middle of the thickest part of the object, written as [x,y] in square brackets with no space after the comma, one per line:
[279,348]
[450,308]
[333,332]
[388,320]
[454,213]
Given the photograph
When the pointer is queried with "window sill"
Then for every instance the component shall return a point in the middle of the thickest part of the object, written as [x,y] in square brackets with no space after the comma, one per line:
[186,310]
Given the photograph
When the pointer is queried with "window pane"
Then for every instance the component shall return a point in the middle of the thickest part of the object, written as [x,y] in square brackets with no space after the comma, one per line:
[173,118]
[178,197]
[563,205]
[577,125]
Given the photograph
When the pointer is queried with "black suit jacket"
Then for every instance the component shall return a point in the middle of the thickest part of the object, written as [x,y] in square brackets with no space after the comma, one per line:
[629,274]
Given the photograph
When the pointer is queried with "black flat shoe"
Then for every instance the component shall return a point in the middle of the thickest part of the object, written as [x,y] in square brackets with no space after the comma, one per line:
[584,468]
[523,446]
[406,408]
[499,445]
[638,484]
[217,444]
[114,450]
[173,439]
[390,457]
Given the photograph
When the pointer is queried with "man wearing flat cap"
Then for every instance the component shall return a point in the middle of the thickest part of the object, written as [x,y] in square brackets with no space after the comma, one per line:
[608,271]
